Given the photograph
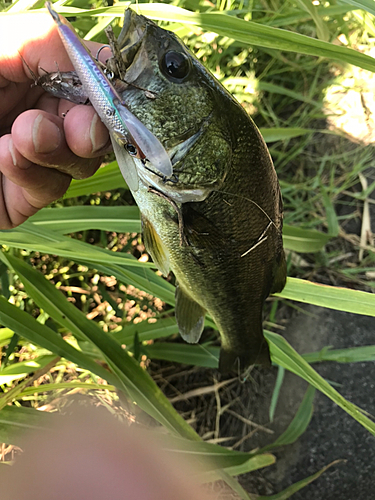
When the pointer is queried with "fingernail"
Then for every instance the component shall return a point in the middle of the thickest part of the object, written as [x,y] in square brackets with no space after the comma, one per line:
[46,135]
[98,134]
[18,160]
[12,152]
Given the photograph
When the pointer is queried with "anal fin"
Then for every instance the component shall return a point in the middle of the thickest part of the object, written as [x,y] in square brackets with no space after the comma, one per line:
[189,317]
[155,246]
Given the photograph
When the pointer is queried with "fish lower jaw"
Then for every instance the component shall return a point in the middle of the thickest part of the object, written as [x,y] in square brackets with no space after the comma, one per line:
[178,195]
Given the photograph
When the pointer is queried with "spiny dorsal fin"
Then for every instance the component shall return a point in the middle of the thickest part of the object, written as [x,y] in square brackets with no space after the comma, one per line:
[189,317]
[155,246]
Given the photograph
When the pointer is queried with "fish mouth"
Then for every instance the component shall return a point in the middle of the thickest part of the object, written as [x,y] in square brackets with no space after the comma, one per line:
[131,36]
[170,186]
[178,149]
[130,42]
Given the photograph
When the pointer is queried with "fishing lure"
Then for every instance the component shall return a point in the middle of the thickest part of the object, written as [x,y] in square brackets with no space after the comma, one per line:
[128,135]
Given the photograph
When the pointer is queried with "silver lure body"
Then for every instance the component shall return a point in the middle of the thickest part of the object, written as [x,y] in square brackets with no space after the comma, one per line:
[124,128]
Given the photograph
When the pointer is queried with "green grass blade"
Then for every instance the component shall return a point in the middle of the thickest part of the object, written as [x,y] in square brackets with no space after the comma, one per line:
[98,28]
[349,355]
[257,34]
[321,27]
[19,370]
[304,240]
[284,355]
[197,355]
[14,421]
[105,179]
[299,423]
[5,336]
[248,32]
[297,96]
[142,278]
[280,134]
[368,5]
[331,217]
[32,237]
[20,6]
[14,392]
[27,327]
[213,456]
[254,463]
[288,492]
[332,297]
[67,220]
[135,381]
[130,271]
[276,391]
[60,386]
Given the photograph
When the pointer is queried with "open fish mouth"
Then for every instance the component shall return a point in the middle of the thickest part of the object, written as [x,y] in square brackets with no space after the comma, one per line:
[132,43]
[131,36]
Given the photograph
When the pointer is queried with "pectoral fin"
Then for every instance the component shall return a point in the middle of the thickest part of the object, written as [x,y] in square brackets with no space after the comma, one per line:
[189,317]
[200,231]
[126,164]
[279,279]
[155,246]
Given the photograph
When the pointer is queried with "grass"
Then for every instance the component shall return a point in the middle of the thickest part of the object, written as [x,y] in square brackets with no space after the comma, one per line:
[279,60]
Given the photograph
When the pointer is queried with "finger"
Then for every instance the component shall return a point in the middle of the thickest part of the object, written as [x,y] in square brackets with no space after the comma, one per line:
[25,187]
[39,137]
[85,133]
[102,458]
[35,37]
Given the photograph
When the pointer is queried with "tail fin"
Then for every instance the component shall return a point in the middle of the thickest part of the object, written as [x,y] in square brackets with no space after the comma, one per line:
[240,359]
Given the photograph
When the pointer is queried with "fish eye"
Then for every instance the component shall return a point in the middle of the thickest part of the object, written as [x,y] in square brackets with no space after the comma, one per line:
[175,65]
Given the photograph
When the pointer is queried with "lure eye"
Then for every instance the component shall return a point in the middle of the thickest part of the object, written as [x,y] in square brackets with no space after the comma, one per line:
[132,150]
[175,65]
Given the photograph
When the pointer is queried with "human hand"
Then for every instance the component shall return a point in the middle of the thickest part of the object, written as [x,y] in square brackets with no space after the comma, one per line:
[40,151]
[92,455]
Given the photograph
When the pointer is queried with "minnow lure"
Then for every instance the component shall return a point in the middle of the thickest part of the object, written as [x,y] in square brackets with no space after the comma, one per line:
[128,134]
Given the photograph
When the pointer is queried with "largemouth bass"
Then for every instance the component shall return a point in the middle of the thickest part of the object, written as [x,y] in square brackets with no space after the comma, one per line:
[216,222]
